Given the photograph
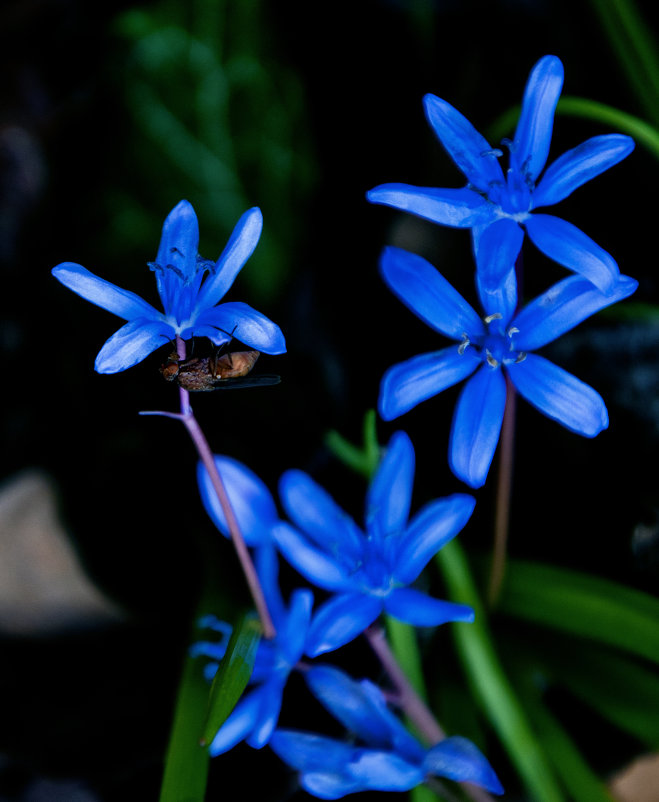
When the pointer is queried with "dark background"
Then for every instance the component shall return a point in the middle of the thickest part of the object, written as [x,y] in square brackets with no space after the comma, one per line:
[81,181]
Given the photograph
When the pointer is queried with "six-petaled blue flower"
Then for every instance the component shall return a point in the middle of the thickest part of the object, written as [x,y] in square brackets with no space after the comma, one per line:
[496,206]
[190,289]
[388,758]
[370,572]
[499,339]
[256,714]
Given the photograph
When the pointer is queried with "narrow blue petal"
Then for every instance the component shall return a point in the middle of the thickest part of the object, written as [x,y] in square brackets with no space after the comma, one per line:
[570,247]
[496,251]
[533,134]
[469,150]
[431,528]
[458,759]
[306,751]
[294,633]
[123,303]
[562,307]
[390,493]
[423,289]
[325,785]
[268,713]
[457,208]
[310,561]
[416,608]
[579,165]
[266,562]
[245,324]
[559,395]
[239,248]
[179,242]
[311,508]
[476,426]
[239,724]
[251,501]
[340,620]
[409,383]
[499,300]
[384,771]
[132,343]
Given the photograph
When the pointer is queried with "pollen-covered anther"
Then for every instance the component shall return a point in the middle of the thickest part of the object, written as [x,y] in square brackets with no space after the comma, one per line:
[464,344]
[493,316]
[512,330]
[520,357]
[491,361]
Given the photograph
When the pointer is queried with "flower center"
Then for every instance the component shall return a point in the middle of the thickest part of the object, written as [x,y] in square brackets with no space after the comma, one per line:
[497,346]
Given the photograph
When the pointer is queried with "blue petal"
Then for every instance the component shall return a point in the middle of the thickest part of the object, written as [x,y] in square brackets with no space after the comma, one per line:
[409,383]
[533,134]
[458,208]
[306,751]
[384,771]
[123,303]
[313,563]
[579,165]
[179,244]
[431,528]
[469,150]
[314,511]
[267,567]
[458,759]
[476,426]
[293,634]
[559,395]
[239,724]
[245,324]
[239,248]
[250,500]
[499,300]
[340,620]
[562,307]
[416,608]
[496,250]
[423,289]
[569,246]
[390,493]
[132,343]
[270,698]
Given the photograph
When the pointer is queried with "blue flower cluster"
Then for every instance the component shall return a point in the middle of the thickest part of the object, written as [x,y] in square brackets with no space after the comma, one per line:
[498,209]
[368,572]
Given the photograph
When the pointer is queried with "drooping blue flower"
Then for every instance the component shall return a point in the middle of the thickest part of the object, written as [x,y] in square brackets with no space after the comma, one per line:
[496,206]
[369,572]
[190,289]
[257,712]
[388,758]
[498,342]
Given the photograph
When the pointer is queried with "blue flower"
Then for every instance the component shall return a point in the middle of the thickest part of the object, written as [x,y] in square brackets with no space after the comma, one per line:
[257,712]
[499,340]
[496,206]
[369,572]
[390,760]
[189,287]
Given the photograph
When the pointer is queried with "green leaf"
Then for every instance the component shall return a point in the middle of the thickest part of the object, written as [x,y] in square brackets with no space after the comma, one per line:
[362,460]
[232,675]
[587,606]
[491,685]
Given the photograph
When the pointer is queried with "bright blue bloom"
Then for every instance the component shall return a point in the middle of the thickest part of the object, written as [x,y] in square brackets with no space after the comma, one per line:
[390,760]
[499,339]
[369,572]
[190,303]
[255,716]
[251,502]
[496,206]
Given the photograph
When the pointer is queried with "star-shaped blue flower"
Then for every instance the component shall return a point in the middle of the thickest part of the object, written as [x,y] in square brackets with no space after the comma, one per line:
[190,289]
[489,345]
[497,207]
[369,572]
[388,758]
[257,712]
